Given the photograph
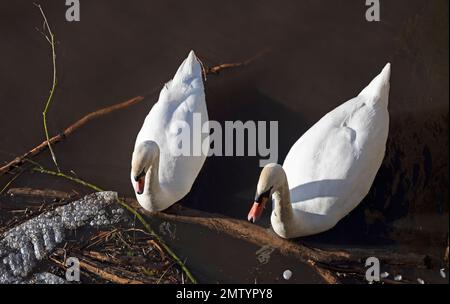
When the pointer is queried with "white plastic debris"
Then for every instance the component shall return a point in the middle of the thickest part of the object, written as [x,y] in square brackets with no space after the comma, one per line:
[398,277]
[420,281]
[384,275]
[442,272]
[23,246]
[45,278]
[287,274]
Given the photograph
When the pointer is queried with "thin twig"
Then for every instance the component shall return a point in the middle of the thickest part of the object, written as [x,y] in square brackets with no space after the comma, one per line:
[100,271]
[18,161]
[10,182]
[164,273]
[39,193]
[326,275]
[101,257]
[51,40]
[130,209]
[225,66]
[71,178]
[155,244]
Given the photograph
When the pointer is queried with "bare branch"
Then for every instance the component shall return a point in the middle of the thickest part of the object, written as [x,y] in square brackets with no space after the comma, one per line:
[51,39]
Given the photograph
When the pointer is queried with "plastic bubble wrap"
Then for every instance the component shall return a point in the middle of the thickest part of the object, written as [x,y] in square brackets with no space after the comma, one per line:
[23,246]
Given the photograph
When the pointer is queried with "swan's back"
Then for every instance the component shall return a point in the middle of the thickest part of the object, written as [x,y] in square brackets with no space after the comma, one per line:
[179,100]
[330,169]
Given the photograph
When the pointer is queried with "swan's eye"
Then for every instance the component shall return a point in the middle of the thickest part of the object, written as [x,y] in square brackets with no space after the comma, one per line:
[259,197]
[138,177]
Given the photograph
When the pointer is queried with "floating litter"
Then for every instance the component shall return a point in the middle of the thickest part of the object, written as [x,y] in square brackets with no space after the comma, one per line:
[398,277]
[287,274]
[420,281]
[24,246]
[442,272]
[46,278]
[384,275]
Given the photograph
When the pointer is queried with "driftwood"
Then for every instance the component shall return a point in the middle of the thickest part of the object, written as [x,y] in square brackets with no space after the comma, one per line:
[19,160]
[261,236]
[327,263]
[106,273]
[113,263]
[45,194]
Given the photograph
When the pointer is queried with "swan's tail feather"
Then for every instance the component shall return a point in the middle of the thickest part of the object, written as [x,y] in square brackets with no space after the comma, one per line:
[377,92]
[189,69]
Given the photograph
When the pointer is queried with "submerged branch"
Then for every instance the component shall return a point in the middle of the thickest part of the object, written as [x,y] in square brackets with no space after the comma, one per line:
[324,262]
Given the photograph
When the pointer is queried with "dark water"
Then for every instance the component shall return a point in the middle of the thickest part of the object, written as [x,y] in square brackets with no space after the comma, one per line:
[322,54]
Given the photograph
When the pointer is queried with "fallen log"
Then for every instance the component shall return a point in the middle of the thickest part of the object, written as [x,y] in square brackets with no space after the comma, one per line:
[326,262]
[45,194]
[260,236]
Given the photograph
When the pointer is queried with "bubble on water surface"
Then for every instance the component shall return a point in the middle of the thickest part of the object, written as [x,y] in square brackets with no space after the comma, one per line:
[384,275]
[287,274]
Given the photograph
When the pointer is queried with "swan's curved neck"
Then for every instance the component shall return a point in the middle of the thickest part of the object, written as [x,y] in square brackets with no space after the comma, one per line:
[152,182]
[282,206]
[289,222]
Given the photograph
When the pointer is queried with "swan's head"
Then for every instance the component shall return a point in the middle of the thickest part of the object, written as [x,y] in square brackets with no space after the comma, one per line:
[145,154]
[270,180]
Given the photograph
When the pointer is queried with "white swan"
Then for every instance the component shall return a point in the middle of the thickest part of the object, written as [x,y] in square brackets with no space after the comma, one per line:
[162,177]
[330,169]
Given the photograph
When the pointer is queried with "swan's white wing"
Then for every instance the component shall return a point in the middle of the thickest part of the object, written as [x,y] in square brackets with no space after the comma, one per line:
[332,166]
[320,161]
[181,171]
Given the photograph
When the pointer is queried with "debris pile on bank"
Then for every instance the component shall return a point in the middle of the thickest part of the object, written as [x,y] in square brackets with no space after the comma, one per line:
[95,230]
[24,246]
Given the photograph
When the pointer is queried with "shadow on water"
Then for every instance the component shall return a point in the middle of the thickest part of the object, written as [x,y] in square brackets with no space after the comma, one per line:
[218,258]
[232,180]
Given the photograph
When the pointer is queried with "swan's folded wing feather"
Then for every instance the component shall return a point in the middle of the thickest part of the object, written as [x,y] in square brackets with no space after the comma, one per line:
[187,117]
[326,150]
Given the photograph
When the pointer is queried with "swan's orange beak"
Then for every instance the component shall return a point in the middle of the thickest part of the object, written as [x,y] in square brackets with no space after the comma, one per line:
[257,210]
[139,185]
